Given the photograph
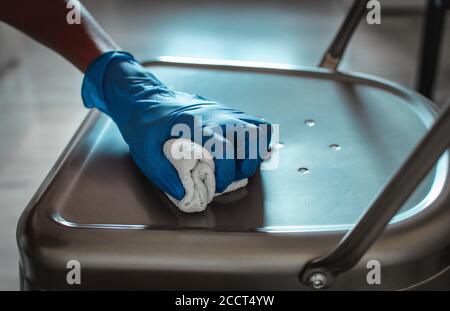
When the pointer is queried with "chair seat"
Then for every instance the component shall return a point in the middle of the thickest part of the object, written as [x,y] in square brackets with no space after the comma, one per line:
[341,136]
[327,174]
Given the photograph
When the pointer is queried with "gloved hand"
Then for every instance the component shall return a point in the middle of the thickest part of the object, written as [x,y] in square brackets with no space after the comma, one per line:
[147,112]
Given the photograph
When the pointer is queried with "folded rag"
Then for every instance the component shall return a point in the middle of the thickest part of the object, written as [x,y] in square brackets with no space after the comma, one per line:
[195,167]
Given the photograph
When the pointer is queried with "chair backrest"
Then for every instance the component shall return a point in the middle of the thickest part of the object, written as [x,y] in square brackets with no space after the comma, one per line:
[320,273]
[335,51]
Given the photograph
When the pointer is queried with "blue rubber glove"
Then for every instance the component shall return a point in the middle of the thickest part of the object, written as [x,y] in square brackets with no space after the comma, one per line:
[146,111]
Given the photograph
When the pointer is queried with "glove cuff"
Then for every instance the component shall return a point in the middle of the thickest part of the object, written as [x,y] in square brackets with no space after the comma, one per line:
[92,90]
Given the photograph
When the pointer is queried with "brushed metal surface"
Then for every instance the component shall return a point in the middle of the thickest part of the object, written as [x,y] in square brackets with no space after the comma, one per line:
[96,207]
[375,127]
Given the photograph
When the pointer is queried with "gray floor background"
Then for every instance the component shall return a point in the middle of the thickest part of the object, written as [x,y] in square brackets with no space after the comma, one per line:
[40,106]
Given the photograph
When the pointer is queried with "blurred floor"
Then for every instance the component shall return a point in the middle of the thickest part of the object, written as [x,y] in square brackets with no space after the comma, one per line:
[40,106]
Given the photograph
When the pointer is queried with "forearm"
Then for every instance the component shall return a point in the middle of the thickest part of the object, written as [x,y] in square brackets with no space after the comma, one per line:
[45,21]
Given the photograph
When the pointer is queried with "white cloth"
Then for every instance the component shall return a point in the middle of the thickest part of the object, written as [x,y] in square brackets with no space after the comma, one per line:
[195,167]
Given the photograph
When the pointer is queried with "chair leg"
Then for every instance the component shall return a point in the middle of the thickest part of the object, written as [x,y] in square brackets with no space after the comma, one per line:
[431,41]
